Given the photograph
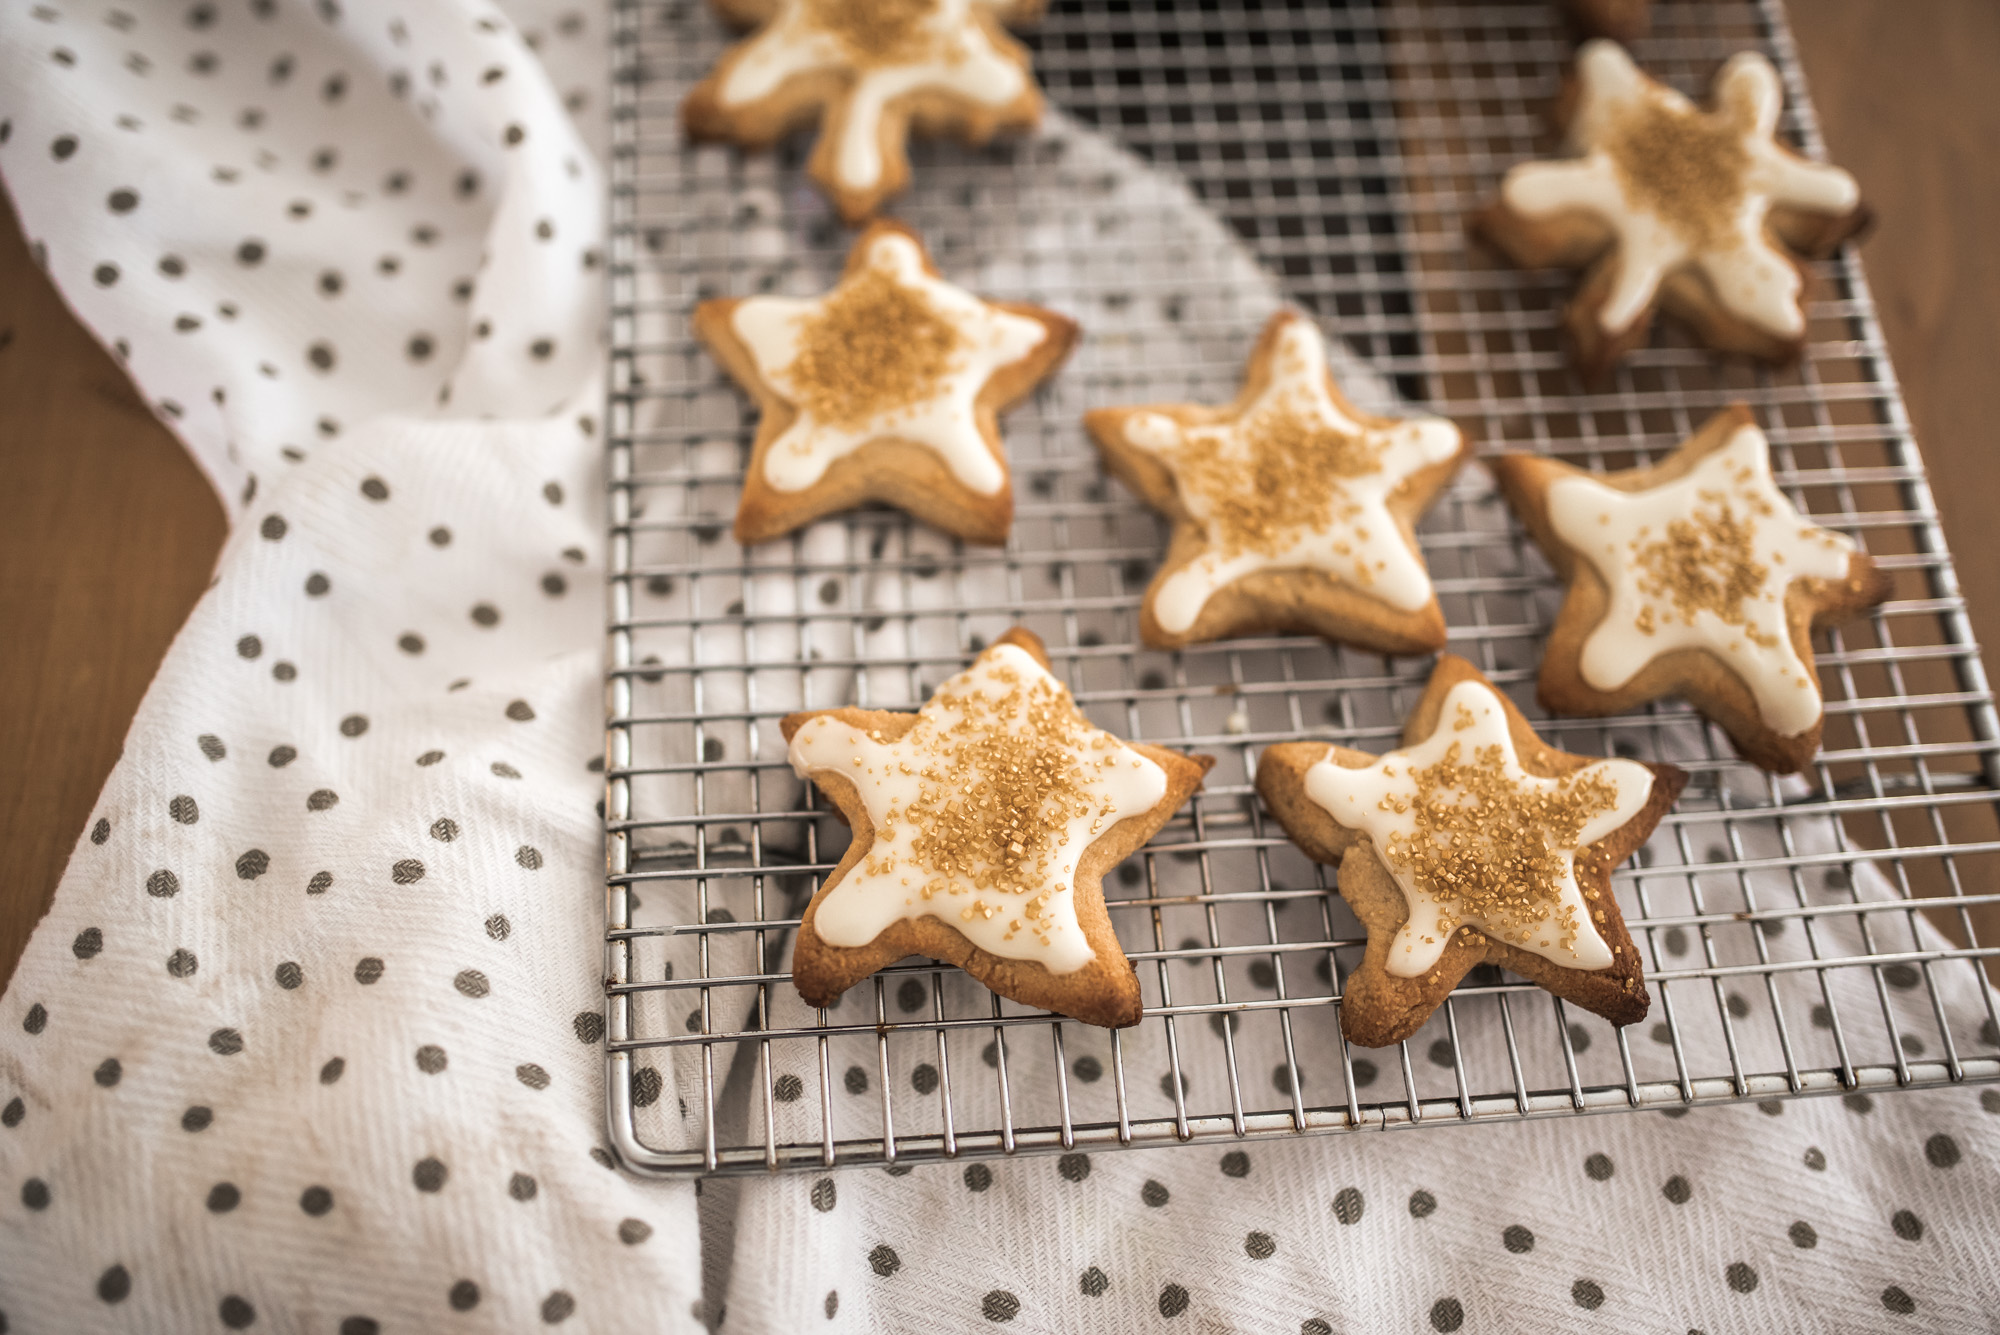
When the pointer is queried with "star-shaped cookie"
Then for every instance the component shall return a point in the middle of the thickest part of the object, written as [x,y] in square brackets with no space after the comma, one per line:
[867,71]
[887,388]
[983,826]
[1668,206]
[1475,841]
[1292,510]
[1695,577]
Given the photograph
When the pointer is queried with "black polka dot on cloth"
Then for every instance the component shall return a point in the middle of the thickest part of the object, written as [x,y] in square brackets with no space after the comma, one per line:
[1073,1167]
[1898,1301]
[999,1305]
[1174,1300]
[35,1194]
[832,1303]
[223,1197]
[101,831]
[589,1026]
[1598,1168]
[1587,1294]
[1094,1283]
[163,884]
[197,1118]
[1235,1164]
[432,1059]
[1259,1246]
[89,942]
[12,1115]
[1348,1205]
[36,1020]
[316,1201]
[1422,1205]
[115,1284]
[368,970]
[632,1232]
[225,1042]
[1677,1190]
[463,1296]
[647,1087]
[1447,1315]
[884,1261]
[1803,1235]
[429,1175]
[331,1072]
[1740,1276]
[1517,1238]
[1942,1151]
[360,1325]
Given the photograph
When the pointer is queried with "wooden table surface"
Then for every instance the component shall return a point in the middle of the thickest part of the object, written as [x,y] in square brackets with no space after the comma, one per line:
[111,534]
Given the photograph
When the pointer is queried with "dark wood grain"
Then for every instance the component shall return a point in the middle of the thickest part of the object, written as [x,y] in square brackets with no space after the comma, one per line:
[110,533]
[108,537]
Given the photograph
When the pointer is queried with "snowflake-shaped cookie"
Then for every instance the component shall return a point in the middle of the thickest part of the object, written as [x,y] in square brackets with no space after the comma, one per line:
[866,70]
[1293,510]
[983,825]
[1473,841]
[1673,206]
[1697,576]
[887,388]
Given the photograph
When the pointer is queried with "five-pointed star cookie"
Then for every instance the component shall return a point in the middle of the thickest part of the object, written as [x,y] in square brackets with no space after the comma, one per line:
[866,70]
[1694,577]
[983,826]
[888,388]
[1293,511]
[1473,842]
[1670,206]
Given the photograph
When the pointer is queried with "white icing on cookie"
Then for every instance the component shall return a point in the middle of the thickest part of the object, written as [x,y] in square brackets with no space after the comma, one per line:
[1702,563]
[930,47]
[1683,188]
[1475,841]
[942,415]
[1293,482]
[982,811]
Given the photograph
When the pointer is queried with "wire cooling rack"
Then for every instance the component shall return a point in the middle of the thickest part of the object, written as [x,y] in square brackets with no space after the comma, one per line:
[1827,934]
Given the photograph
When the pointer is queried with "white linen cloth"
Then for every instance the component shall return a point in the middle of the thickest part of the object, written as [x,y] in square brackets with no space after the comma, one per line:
[308,1040]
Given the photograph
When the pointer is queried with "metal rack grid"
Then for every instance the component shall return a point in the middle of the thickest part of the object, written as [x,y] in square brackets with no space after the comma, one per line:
[1829,934]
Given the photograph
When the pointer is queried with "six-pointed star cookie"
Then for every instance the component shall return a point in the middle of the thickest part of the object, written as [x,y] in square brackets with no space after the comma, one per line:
[1476,841]
[867,70]
[1694,577]
[1293,511]
[983,826]
[1675,207]
[888,388]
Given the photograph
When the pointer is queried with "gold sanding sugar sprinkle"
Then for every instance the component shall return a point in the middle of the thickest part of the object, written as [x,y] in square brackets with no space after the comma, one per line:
[1705,563]
[1494,845]
[1292,480]
[876,32]
[874,346]
[1004,780]
[1685,166]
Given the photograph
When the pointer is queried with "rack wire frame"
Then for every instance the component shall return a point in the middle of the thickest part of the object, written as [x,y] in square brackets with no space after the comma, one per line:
[1344,145]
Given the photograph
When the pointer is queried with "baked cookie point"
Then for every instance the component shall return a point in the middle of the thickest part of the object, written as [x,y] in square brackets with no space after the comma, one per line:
[983,826]
[1694,577]
[1475,841]
[1666,206]
[886,388]
[1292,510]
[866,71]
